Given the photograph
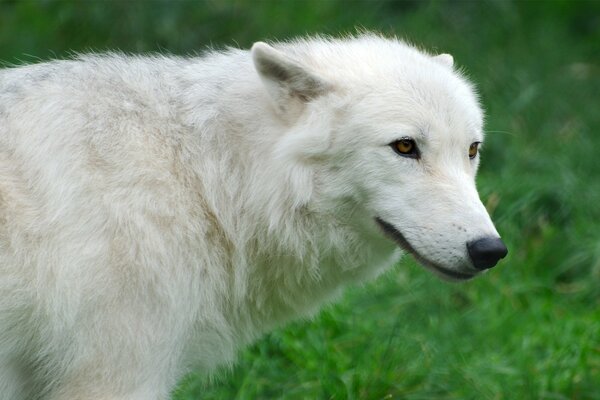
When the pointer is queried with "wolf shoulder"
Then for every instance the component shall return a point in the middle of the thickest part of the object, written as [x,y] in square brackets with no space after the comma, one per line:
[87,80]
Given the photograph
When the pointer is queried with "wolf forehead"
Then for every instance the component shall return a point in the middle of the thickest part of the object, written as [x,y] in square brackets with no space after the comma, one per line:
[393,74]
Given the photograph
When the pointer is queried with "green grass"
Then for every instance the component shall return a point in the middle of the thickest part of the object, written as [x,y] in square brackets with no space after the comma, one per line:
[529,329]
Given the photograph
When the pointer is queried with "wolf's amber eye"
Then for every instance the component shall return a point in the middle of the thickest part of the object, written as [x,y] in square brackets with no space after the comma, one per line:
[473,149]
[405,147]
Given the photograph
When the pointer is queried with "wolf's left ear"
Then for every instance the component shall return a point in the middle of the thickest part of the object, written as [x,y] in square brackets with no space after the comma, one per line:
[285,78]
[445,59]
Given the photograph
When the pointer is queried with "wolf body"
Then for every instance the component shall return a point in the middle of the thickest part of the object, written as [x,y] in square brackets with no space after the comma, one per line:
[158,213]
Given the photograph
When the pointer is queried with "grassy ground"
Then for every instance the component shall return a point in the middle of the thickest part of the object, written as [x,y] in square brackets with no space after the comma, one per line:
[529,329]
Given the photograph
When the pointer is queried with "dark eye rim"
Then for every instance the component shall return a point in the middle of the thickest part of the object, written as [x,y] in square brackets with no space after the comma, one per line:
[415,153]
[472,157]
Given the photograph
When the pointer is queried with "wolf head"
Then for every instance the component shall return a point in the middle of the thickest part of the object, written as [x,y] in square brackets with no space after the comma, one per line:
[395,133]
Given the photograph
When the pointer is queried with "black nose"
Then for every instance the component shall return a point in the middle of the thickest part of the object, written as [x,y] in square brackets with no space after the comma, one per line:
[486,252]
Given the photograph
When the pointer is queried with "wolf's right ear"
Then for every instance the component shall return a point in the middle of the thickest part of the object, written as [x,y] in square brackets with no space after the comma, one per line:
[284,78]
[445,59]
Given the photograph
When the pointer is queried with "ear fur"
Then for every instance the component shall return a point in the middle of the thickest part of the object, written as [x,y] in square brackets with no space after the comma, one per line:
[284,78]
[445,59]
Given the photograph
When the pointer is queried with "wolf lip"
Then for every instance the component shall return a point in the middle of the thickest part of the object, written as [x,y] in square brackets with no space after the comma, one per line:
[399,238]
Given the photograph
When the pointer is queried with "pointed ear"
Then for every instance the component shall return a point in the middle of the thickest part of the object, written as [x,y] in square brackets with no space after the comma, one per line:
[284,78]
[445,59]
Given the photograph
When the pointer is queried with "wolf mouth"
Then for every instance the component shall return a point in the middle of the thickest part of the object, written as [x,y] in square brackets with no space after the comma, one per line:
[399,238]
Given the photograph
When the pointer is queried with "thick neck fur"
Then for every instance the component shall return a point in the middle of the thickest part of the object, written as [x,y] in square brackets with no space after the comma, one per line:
[298,239]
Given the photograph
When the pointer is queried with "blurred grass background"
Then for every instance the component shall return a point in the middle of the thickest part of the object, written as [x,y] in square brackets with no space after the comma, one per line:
[529,329]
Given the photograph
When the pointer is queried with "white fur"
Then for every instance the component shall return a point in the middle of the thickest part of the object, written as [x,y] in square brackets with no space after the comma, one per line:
[158,213]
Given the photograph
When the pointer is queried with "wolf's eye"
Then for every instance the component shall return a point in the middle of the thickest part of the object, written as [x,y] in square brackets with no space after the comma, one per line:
[406,148]
[473,149]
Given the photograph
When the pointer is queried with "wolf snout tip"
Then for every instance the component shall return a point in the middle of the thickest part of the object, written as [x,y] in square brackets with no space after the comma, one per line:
[486,252]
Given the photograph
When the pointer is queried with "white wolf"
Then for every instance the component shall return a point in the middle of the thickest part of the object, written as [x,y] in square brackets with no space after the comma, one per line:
[157,213]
